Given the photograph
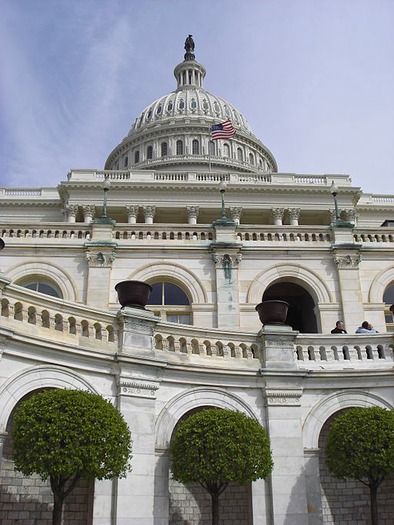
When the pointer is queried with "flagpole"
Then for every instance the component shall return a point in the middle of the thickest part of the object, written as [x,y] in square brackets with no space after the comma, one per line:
[209,154]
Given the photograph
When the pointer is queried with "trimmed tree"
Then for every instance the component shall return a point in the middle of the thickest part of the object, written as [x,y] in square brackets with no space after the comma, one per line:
[360,445]
[215,447]
[68,435]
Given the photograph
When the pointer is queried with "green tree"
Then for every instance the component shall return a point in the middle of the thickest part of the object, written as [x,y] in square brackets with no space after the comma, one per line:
[215,447]
[360,445]
[68,435]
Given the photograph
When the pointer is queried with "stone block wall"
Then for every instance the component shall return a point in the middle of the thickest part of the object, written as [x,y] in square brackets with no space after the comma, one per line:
[191,505]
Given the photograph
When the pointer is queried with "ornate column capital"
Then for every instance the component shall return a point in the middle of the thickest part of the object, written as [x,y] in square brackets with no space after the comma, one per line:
[132,213]
[149,213]
[100,259]
[277,214]
[294,214]
[192,214]
[71,211]
[347,262]
[89,211]
[235,213]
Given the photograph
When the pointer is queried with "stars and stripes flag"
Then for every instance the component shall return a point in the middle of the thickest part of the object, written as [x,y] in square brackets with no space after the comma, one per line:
[223,130]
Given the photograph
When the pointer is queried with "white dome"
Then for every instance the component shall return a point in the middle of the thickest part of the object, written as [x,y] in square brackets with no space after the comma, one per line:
[181,121]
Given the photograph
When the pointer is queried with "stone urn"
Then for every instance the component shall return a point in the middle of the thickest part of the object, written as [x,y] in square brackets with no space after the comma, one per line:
[134,294]
[273,311]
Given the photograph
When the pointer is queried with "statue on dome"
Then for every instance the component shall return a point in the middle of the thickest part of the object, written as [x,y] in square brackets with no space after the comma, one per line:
[189,48]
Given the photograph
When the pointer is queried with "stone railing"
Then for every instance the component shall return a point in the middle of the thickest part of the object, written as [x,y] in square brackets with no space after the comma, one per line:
[284,234]
[373,235]
[317,351]
[60,231]
[37,315]
[163,233]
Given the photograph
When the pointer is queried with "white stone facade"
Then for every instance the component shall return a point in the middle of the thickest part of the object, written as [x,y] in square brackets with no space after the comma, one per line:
[280,240]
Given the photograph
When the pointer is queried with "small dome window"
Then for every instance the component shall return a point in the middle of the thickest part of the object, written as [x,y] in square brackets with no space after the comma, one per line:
[181,104]
[195,147]
[149,116]
[216,107]
[164,149]
[236,118]
[170,106]
[240,155]
[179,147]
[251,158]
[149,152]
[227,111]
[205,105]
[193,103]
[159,109]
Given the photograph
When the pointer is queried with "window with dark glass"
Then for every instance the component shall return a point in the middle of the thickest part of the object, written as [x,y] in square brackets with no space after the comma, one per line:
[195,147]
[179,147]
[149,152]
[42,287]
[172,302]
[164,149]
[136,157]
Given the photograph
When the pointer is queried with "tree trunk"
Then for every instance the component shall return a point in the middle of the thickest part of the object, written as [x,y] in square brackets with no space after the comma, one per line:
[215,508]
[57,509]
[373,490]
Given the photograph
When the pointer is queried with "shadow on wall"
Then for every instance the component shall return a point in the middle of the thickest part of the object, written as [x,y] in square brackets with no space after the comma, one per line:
[191,505]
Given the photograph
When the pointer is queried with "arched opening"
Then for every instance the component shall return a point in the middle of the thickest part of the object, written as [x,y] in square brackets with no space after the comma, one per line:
[173,303]
[301,315]
[192,504]
[388,299]
[34,504]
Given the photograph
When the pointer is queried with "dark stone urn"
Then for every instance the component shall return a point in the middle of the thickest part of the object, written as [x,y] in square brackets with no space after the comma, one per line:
[134,294]
[273,311]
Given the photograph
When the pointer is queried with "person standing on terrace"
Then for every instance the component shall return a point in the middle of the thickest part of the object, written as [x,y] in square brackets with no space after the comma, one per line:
[339,328]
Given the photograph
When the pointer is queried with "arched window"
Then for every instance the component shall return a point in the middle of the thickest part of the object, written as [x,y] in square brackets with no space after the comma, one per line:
[171,301]
[179,147]
[195,147]
[240,155]
[149,152]
[41,286]
[126,162]
[164,149]
[226,150]
[251,158]
[388,298]
[136,157]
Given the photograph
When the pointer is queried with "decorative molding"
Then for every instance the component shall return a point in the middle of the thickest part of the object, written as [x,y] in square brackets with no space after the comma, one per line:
[346,262]
[223,260]
[138,389]
[100,259]
[283,397]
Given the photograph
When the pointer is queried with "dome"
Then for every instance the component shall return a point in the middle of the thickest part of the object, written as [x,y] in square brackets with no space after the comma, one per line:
[173,132]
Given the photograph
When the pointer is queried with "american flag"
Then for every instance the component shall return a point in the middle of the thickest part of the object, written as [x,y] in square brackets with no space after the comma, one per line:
[223,130]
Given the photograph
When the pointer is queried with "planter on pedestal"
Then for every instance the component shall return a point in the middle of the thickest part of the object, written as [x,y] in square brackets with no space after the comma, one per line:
[134,294]
[273,311]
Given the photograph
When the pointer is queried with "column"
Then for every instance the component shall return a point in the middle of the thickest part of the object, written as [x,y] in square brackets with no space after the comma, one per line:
[132,213]
[71,212]
[88,212]
[277,214]
[192,214]
[149,213]
[347,262]
[294,214]
[235,213]
[227,287]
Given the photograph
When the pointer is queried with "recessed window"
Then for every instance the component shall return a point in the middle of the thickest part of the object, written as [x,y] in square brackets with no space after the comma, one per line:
[149,152]
[170,106]
[179,147]
[164,149]
[240,155]
[149,116]
[226,150]
[126,162]
[181,104]
[159,109]
[195,147]
[172,302]
[193,103]
[136,157]
[42,287]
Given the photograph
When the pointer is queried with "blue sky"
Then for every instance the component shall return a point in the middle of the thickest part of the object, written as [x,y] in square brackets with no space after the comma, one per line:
[314,78]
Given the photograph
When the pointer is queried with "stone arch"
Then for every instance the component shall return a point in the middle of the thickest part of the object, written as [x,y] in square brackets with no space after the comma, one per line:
[51,271]
[36,378]
[174,272]
[379,285]
[192,399]
[312,282]
[317,417]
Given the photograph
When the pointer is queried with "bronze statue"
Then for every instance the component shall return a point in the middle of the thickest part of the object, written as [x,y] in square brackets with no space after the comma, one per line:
[189,44]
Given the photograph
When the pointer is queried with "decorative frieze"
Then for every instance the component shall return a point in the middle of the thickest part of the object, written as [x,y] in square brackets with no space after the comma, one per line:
[347,261]
[283,397]
[222,260]
[135,388]
[100,259]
